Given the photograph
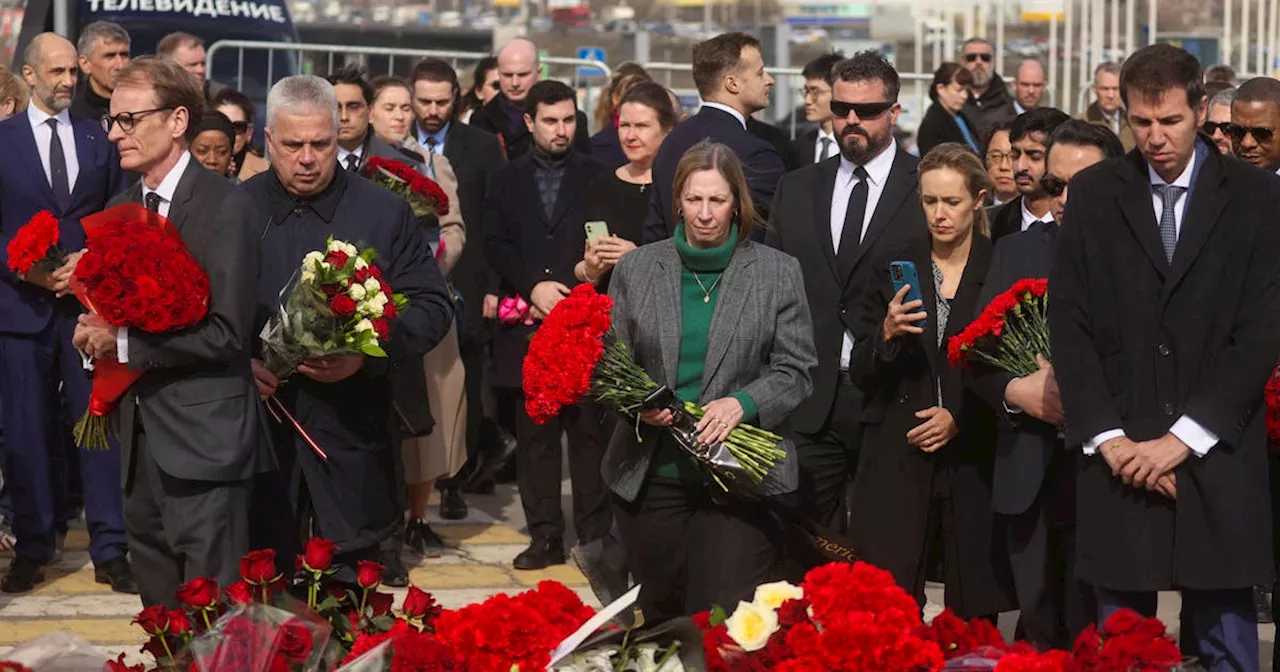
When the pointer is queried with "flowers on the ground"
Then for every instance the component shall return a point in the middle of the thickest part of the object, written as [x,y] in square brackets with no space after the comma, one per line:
[1009,333]
[424,195]
[35,246]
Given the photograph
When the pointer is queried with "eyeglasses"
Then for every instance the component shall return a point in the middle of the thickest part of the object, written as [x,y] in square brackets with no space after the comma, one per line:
[129,120]
[495,85]
[814,91]
[239,126]
[997,158]
[1211,127]
[1260,133]
[1053,185]
[842,109]
[985,58]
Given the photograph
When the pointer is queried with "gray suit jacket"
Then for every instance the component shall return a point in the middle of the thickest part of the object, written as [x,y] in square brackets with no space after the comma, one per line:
[197,400]
[760,341]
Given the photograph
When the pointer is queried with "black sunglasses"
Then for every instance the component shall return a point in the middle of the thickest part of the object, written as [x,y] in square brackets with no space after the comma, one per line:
[239,126]
[129,120]
[1210,127]
[985,58]
[1260,133]
[495,85]
[1052,185]
[841,109]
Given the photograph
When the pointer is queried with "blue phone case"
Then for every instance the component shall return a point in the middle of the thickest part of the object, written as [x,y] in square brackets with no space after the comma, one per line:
[904,273]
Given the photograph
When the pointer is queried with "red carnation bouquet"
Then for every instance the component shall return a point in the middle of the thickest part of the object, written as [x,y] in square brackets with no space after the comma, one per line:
[575,355]
[35,246]
[1272,396]
[136,272]
[1009,333]
[424,194]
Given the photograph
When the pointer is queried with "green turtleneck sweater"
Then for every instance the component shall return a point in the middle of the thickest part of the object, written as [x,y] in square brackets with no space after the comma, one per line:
[697,307]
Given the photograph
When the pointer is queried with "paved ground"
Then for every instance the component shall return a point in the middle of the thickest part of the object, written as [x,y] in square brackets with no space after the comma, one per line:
[477,566]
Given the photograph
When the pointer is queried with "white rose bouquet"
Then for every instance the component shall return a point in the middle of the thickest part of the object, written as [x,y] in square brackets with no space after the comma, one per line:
[337,302]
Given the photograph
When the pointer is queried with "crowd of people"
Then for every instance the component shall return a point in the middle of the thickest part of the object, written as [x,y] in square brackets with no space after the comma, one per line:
[749,273]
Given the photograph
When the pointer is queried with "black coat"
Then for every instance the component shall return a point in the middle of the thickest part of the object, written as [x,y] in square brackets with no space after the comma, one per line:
[802,150]
[761,162]
[473,154]
[606,147]
[1005,219]
[899,379]
[801,226]
[938,126]
[778,138]
[1138,342]
[1025,445]
[524,248]
[518,141]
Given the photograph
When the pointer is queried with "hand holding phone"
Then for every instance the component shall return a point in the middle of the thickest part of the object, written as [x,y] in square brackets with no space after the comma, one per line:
[596,230]
[906,313]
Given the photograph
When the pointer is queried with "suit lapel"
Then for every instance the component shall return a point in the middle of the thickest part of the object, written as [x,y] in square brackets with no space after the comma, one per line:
[575,174]
[929,295]
[824,191]
[86,136]
[667,296]
[181,195]
[27,144]
[735,290]
[455,146]
[1135,203]
[1208,197]
[899,186]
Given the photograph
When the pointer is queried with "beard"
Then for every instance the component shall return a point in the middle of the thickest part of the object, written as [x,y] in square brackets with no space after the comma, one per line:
[551,150]
[981,81]
[858,153]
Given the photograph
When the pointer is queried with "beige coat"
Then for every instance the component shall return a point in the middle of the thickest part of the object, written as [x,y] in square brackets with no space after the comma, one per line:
[453,231]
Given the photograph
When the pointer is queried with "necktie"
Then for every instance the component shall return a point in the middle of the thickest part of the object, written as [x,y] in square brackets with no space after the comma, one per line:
[58,168]
[431,157]
[826,148]
[1168,223]
[851,233]
[1049,229]
[152,201]
[353,163]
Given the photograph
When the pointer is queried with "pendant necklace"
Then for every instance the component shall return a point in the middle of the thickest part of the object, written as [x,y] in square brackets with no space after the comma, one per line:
[706,293]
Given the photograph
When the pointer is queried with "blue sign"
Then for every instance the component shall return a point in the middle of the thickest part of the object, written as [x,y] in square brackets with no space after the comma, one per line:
[591,54]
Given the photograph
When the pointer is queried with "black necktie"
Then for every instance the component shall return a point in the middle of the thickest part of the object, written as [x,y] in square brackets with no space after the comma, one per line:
[58,168]
[353,163]
[851,234]
[152,201]
[1046,228]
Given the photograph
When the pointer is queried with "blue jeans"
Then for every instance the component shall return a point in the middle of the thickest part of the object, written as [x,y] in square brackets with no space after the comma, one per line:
[1225,623]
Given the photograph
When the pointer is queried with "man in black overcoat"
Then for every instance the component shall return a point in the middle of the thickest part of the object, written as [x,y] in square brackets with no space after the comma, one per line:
[1033,482]
[341,401]
[1163,330]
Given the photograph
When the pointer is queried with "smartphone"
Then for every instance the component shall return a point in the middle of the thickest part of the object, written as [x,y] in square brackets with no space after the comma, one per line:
[596,230]
[904,273]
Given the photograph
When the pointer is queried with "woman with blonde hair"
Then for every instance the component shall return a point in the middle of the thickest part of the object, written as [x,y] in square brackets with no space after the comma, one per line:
[723,322]
[606,146]
[14,94]
[441,453]
[929,442]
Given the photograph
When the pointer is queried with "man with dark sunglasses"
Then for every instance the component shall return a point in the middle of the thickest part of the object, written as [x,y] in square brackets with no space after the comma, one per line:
[836,217]
[990,102]
[1255,123]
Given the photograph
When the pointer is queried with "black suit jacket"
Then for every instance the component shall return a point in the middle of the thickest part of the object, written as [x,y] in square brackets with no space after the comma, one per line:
[474,155]
[802,150]
[525,247]
[518,142]
[761,161]
[197,400]
[938,126]
[775,136]
[1025,445]
[800,225]
[1005,219]
[1138,342]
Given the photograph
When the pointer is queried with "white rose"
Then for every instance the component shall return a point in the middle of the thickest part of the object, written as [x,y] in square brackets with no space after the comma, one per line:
[750,626]
[772,595]
[366,325]
[374,308]
[334,246]
[312,259]
[361,263]
[356,292]
[308,276]
[349,249]
[380,299]
[372,285]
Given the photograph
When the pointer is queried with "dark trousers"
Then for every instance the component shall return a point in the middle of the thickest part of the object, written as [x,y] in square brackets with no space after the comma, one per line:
[538,473]
[1225,623]
[1055,606]
[689,552]
[30,370]
[829,458]
[181,529]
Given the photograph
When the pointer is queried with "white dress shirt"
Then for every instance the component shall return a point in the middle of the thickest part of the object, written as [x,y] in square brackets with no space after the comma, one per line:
[877,174]
[66,134]
[831,149]
[725,108]
[1029,218]
[165,191]
[1199,439]
[343,154]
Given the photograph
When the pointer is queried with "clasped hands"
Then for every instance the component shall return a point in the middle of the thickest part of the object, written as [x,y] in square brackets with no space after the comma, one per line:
[94,337]
[1146,464]
[332,369]
[59,281]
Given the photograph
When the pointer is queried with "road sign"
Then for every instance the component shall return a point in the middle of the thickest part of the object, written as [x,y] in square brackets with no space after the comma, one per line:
[591,54]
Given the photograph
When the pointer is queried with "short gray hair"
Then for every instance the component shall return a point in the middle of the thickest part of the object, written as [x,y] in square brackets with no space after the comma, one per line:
[1224,97]
[106,31]
[975,40]
[1107,67]
[301,93]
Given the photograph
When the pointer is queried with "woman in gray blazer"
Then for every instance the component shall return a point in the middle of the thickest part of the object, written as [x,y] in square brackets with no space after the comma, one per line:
[724,323]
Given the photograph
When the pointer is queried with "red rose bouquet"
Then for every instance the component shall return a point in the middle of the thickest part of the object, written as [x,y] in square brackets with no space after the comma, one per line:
[35,246]
[424,194]
[136,272]
[1009,333]
[1272,396]
[575,355]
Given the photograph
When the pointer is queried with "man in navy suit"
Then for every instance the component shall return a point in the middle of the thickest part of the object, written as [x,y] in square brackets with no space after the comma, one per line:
[1033,484]
[64,165]
[729,73]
